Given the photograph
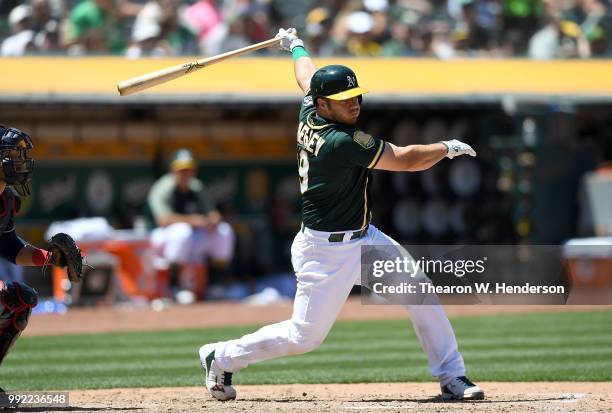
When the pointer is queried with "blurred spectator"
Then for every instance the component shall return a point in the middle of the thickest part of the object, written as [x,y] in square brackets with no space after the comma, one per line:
[44,11]
[442,29]
[399,43]
[292,13]
[317,31]
[160,30]
[558,38]
[378,11]
[203,16]
[22,38]
[593,17]
[244,25]
[189,227]
[47,17]
[519,22]
[226,36]
[360,35]
[95,27]
[470,36]
[147,41]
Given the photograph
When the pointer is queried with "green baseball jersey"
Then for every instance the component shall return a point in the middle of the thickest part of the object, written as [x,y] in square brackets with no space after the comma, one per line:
[333,164]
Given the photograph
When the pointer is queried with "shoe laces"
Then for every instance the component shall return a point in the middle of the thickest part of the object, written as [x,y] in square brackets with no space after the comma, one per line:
[227,378]
[465,381]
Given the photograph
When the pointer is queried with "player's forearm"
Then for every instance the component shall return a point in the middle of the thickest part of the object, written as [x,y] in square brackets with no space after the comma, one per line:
[411,158]
[169,219]
[196,220]
[421,157]
[31,256]
[304,67]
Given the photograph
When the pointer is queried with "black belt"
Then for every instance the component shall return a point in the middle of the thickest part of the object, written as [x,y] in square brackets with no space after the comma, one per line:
[339,236]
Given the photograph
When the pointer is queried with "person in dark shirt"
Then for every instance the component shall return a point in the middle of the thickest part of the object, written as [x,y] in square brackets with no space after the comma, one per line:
[189,228]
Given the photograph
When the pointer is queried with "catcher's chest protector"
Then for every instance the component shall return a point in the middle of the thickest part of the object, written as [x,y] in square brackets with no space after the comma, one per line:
[9,206]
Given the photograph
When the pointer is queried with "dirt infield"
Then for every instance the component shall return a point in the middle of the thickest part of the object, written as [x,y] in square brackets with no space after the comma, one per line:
[375,397]
[380,397]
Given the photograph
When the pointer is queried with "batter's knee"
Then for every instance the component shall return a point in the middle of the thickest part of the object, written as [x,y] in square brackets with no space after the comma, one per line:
[303,339]
[301,347]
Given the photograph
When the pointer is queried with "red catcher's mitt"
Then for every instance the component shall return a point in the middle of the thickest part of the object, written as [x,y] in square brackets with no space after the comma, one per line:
[65,253]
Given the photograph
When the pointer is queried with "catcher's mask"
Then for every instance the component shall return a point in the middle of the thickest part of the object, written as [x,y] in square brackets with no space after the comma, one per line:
[16,165]
[335,82]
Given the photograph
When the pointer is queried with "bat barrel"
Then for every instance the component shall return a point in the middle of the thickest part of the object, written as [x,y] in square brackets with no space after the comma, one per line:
[148,80]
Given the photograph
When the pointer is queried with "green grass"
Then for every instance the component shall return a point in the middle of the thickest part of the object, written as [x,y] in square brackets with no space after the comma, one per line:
[529,347]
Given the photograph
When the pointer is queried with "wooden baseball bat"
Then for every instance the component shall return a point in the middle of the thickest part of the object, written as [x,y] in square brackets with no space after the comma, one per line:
[148,80]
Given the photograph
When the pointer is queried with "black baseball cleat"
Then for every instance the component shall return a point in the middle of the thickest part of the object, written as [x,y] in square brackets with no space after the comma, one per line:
[461,388]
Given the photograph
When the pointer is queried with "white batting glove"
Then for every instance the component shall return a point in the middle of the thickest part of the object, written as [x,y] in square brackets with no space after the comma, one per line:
[288,39]
[456,148]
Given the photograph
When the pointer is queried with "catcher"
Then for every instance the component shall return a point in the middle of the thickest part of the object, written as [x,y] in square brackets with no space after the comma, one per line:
[17,299]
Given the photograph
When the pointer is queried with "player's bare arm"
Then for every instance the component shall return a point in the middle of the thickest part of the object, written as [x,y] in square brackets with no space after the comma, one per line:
[214,218]
[411,158]
[414,158]
[195,220]
[30,256]
[304,67]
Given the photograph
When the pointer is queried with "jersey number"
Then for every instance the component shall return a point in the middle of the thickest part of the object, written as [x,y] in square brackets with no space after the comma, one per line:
[303,170]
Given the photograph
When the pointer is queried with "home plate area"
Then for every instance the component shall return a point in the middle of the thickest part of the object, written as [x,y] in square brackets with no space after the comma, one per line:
[376,397]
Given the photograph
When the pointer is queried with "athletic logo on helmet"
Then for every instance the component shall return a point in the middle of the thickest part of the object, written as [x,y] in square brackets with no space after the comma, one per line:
[350,81]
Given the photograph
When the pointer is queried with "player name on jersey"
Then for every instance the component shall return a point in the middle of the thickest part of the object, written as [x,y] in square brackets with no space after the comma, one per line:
[308,139]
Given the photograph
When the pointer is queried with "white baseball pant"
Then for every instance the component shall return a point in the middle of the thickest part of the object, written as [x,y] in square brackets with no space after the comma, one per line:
[326,273]
[182,244]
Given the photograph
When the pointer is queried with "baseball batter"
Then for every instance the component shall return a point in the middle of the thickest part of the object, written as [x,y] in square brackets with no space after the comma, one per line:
[334,162]
[18,299]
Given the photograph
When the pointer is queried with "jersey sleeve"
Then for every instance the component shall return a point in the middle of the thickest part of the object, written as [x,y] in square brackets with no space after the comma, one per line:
[357,148]
[159,198]
[10,245]
[307,107]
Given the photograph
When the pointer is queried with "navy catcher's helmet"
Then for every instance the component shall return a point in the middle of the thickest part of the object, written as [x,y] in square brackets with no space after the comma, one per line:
[16,164]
